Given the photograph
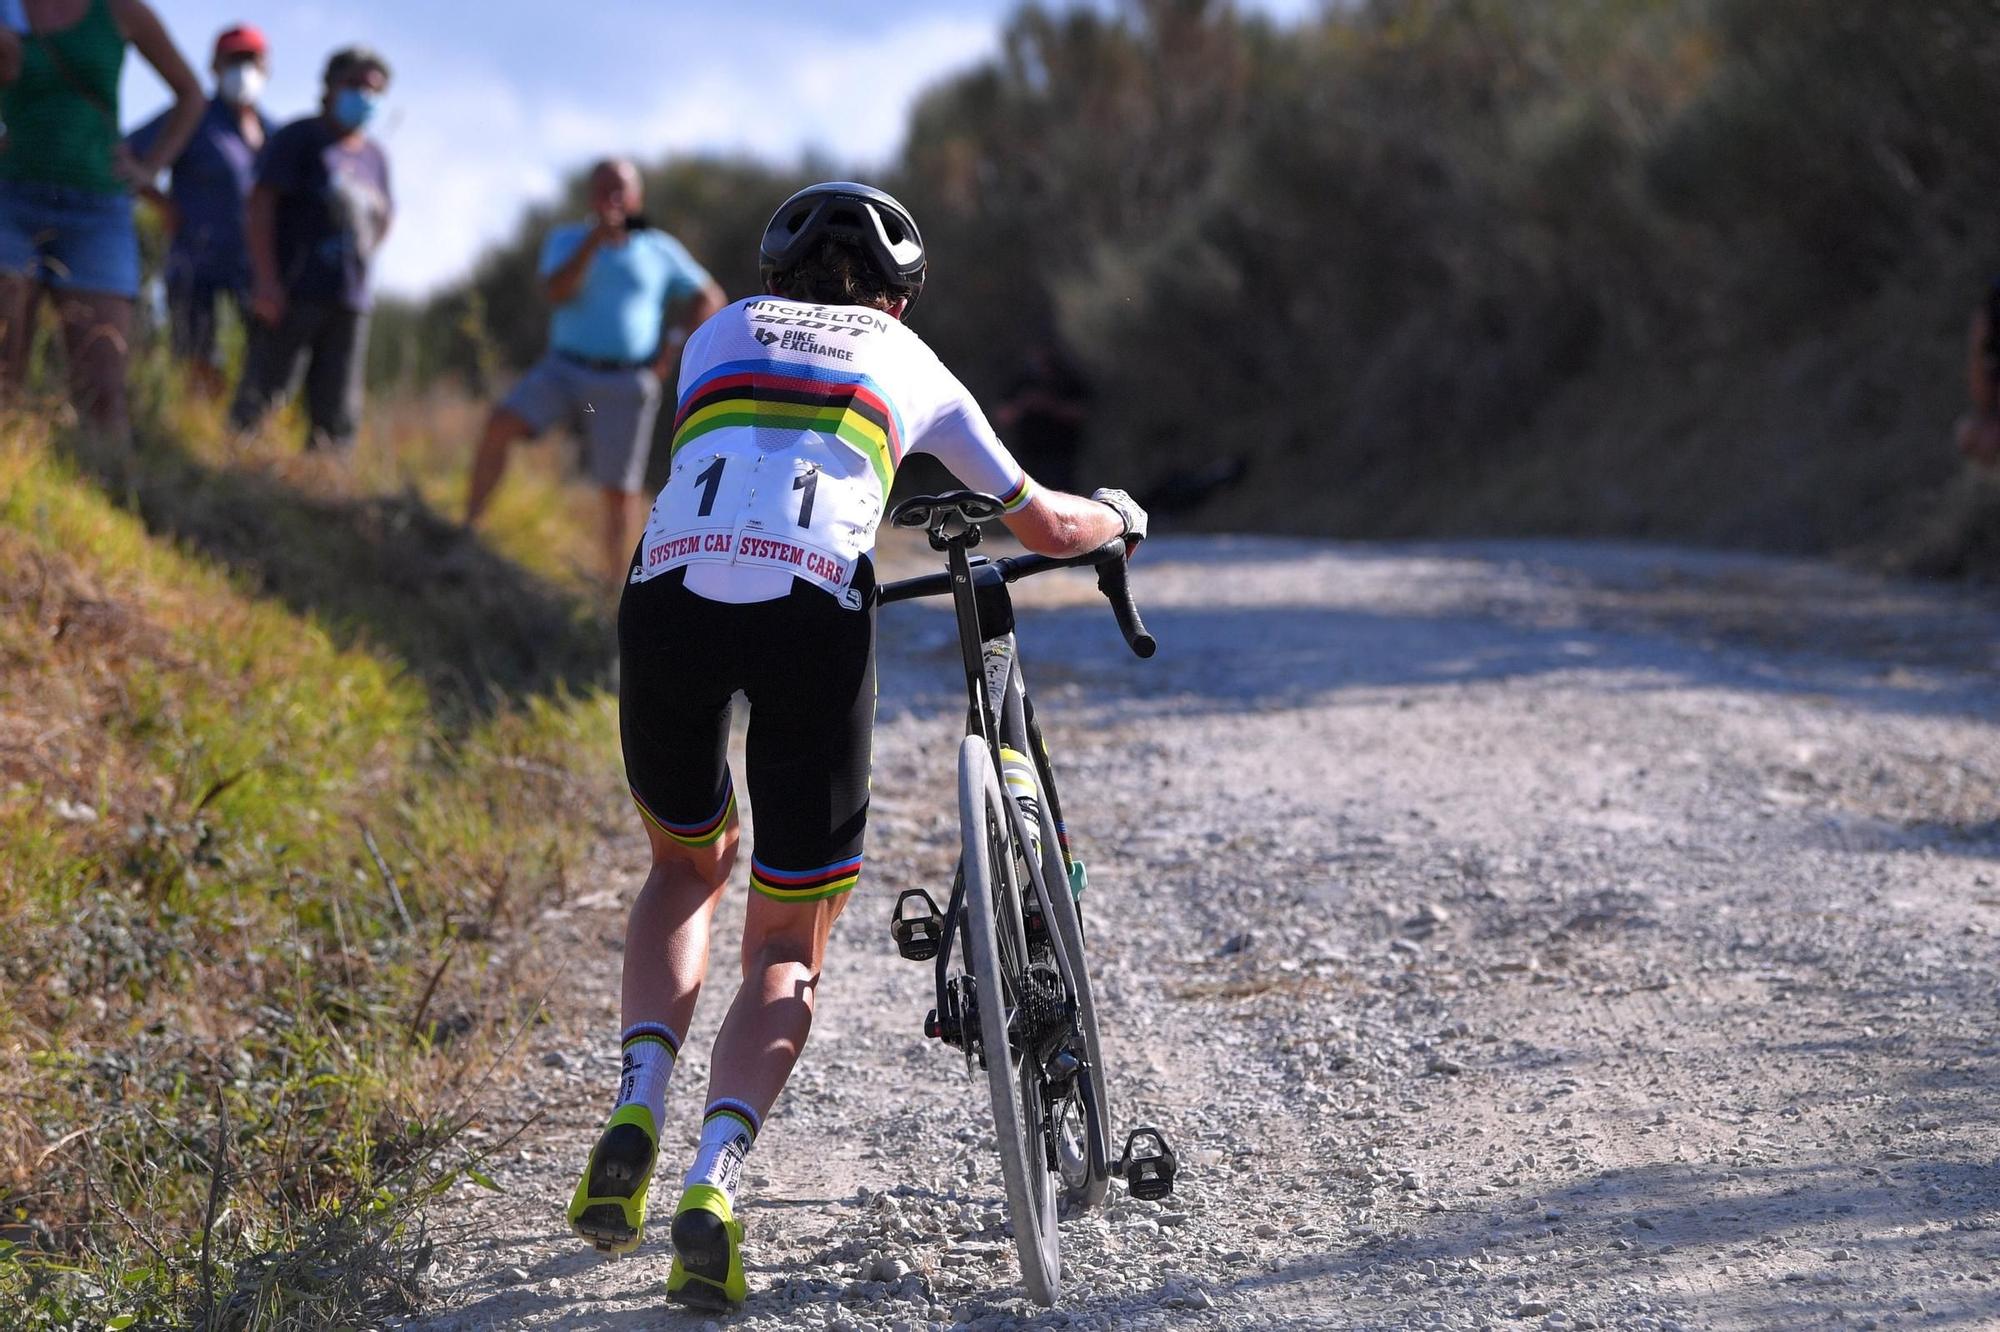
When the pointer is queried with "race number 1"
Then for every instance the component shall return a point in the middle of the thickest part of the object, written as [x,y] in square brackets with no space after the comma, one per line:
[708,479]
[808,482]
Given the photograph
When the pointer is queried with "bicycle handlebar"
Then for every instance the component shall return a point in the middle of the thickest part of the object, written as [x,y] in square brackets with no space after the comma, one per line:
[1109,560]
[1117,589]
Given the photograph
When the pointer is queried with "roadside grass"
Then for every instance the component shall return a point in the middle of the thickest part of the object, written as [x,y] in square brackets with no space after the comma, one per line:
[286,764]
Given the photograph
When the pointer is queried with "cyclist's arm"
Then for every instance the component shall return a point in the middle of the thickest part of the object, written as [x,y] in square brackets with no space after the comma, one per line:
[1057,523]
[1048,522]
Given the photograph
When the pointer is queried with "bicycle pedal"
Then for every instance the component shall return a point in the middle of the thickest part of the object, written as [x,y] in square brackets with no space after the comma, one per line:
[1148,1166]
[918,933]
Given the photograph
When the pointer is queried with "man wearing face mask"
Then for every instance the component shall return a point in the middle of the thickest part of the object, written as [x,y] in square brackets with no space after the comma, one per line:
[319,211]
[207,186]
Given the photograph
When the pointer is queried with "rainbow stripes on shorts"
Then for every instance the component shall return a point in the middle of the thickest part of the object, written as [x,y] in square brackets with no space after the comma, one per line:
[706,832]
[805,885]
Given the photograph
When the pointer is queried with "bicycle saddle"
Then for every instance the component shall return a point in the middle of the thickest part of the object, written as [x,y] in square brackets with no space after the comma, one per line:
[970,507]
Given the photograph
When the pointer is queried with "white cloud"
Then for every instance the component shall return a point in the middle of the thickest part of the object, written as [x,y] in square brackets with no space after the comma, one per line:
[471,150]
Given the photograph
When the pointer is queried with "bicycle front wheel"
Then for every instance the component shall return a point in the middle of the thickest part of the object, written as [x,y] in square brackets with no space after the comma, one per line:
[997,954]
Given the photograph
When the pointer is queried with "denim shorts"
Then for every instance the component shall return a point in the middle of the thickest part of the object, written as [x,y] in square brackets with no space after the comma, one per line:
[69,239]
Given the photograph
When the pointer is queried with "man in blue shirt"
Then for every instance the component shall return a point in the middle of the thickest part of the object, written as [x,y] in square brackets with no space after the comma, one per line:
[612,282]
[207,186]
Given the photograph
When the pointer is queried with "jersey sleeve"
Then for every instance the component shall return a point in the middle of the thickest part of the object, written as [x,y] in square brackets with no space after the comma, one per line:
[947,424]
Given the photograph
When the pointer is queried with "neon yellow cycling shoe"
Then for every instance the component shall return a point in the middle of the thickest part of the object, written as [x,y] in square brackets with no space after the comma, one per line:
[609,1209]
[708,1252]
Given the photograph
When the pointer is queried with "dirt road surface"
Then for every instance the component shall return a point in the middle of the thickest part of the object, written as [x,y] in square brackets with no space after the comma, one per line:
[1515,935]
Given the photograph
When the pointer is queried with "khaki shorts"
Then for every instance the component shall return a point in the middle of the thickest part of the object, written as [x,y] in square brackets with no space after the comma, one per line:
[611,413]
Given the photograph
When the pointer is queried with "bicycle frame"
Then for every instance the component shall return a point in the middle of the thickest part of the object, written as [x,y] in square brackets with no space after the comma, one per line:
[1000,712]
[1058,1050]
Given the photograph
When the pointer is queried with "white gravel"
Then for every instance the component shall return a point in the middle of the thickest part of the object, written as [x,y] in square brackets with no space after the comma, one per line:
[1512,935]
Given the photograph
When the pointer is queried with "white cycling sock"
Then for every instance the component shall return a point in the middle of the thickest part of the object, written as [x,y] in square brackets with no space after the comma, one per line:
[649,1049]
[727,1132]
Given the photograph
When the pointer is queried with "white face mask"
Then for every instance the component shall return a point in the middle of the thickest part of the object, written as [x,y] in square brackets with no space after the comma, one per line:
[240,84]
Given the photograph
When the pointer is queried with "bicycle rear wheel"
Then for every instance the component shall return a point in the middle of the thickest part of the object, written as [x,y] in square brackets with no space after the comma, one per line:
[1080,1117]
[997,954]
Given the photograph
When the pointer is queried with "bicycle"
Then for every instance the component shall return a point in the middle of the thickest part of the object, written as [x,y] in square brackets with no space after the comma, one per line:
[1018,1003]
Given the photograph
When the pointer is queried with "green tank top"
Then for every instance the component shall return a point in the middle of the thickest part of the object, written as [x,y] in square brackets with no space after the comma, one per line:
[62,113]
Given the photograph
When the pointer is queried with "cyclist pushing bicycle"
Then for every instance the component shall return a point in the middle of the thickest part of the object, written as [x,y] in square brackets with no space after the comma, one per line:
[755,575]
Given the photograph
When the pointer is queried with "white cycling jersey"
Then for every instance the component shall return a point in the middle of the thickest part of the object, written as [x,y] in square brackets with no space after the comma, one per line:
[792,419]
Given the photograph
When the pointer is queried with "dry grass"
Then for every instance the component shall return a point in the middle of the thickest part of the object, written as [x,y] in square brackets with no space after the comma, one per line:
[282,755]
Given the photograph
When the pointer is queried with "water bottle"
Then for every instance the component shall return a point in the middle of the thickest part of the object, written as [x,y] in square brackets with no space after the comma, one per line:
[1019,772]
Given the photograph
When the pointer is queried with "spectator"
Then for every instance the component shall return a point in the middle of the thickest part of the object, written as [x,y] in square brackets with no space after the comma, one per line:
[1979,430]
[66,182]
[1044,415]
[203,205]
[612,281]
[318,212]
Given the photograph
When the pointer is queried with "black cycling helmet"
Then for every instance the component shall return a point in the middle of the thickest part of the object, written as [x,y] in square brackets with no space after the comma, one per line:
[879,226]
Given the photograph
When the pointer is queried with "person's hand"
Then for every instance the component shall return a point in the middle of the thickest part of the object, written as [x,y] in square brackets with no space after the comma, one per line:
[131,171]
[610,228]
[1128,509]
[267,302]
[10,55]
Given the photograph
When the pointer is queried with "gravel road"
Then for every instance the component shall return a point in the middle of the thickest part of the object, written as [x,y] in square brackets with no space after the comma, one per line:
[1543,935]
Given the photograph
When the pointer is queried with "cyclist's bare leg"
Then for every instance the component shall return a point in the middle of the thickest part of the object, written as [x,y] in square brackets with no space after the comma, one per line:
[666,958]
[784,946]
[666,935]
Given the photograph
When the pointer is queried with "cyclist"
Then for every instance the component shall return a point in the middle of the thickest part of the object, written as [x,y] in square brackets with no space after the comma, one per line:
[755,575]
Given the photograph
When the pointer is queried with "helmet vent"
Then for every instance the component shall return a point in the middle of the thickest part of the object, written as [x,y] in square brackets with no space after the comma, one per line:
[857,218]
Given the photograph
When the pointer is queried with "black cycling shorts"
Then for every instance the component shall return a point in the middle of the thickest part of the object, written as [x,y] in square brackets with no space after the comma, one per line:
[807,666]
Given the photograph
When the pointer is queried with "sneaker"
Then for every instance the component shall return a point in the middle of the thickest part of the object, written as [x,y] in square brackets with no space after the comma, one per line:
[708,1259]
[609,1209]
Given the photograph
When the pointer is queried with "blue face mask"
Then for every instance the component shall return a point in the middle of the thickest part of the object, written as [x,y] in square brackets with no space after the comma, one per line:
[353,108]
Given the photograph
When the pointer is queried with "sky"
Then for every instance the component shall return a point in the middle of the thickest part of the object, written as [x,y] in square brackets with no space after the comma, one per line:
[494,103]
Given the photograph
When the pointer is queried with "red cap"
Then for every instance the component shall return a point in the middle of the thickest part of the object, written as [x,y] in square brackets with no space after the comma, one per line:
[240,40]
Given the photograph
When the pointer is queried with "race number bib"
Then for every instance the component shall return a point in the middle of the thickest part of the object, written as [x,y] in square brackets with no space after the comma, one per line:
[810,511]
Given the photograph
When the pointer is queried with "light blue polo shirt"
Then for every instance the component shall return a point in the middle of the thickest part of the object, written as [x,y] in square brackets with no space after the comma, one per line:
[618,313]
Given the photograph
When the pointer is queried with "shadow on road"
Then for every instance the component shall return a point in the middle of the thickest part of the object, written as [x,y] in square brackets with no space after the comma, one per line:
[1613,618]
[1628,1219]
